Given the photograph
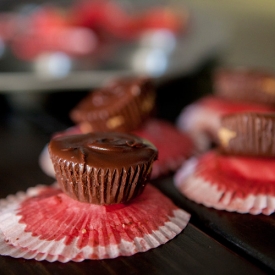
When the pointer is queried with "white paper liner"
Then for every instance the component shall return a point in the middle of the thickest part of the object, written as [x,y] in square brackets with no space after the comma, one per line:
[196,188]
[45,162]
[199,121]
[7,249]
[17,241]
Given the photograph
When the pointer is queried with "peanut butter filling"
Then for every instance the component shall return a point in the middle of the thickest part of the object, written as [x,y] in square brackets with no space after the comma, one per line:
[225,135]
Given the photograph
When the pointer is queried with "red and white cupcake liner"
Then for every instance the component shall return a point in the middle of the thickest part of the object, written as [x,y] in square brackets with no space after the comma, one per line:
[45,224]
[202,118]
[231,183]
[174,147]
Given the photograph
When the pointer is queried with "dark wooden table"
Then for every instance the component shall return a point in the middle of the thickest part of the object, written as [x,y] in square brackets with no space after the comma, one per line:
[214,242]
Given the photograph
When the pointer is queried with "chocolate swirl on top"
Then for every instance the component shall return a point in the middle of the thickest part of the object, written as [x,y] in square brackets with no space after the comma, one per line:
[115,144]
[100,148]
[102,168]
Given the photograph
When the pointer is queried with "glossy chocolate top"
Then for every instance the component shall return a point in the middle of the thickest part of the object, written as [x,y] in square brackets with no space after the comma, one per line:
[103,150]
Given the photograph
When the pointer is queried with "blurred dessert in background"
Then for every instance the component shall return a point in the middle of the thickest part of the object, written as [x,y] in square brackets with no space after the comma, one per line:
[122,105]
[238,175]
[128,105]
[245,85]
[83,28]
[235,90]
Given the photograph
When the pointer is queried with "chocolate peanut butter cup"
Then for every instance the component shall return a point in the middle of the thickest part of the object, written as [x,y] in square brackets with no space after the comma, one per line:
[251,134]
[245,85]
[102,168]
[122,106]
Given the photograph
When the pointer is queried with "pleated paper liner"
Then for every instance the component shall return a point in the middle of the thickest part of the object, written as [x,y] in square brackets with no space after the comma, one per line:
[174,147]
[45,224]
[235,184]
[7,249]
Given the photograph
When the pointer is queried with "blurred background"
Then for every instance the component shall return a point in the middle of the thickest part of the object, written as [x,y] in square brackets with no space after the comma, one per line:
[53,53]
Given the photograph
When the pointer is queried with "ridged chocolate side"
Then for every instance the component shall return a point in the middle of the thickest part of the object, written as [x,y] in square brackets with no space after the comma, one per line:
[101,186]
[128,117]
[251,134]
[102,168]
[123,114]
[245,85]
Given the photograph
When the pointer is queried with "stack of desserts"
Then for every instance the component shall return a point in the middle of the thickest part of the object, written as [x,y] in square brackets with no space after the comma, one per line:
[237,173]
[234,90]
[85,28]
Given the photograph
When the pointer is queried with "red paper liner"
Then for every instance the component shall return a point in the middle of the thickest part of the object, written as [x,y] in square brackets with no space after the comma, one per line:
[227,183]
[174,147]
[202,118]
[45,224]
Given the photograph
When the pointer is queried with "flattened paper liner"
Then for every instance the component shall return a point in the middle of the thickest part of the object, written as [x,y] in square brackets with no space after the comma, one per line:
[174,147]
[195,182]
[46,224]
[7,249]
